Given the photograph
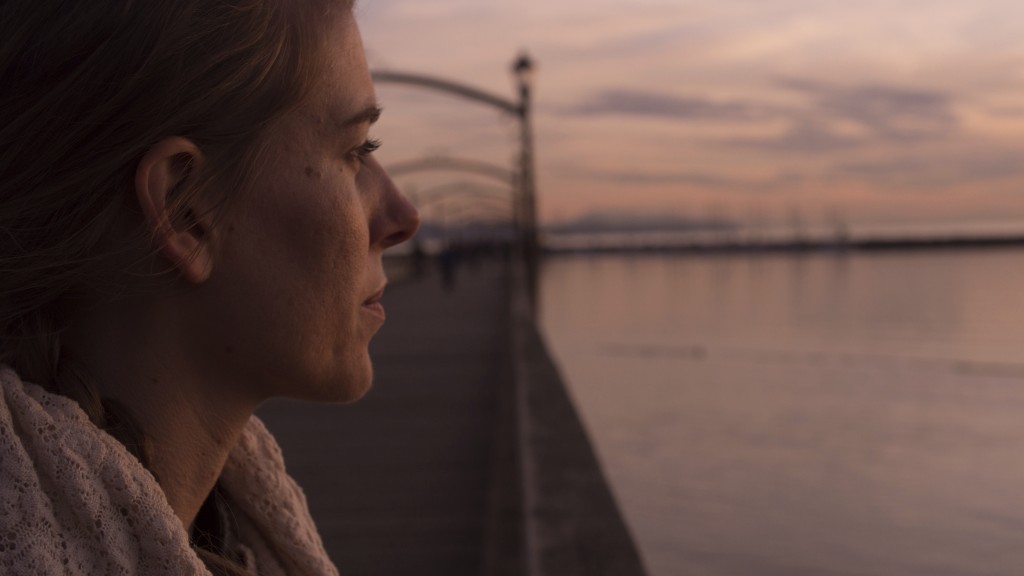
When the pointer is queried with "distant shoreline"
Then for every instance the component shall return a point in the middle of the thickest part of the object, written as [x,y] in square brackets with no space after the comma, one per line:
[801,246]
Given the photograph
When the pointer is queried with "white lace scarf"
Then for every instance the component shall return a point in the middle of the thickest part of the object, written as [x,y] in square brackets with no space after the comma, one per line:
[74,501]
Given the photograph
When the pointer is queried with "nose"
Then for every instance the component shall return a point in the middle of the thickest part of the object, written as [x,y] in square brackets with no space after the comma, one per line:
[396,219]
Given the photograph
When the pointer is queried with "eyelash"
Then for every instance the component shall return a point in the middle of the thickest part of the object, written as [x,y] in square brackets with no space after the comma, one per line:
[366,148]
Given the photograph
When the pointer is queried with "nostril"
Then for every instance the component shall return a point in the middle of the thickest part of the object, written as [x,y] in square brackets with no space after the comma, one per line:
[406,222]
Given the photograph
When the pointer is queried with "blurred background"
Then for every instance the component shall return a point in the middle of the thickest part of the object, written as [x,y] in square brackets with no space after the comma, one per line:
[783,271]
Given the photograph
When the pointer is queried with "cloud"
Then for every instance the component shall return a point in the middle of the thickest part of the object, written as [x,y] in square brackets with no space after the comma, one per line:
[692,178]
[936,172]
[805,135]
[839,118]
[826,118]
[638,103]
[887,112]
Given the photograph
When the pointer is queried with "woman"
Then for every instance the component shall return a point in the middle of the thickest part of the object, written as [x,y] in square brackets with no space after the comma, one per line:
[191,222]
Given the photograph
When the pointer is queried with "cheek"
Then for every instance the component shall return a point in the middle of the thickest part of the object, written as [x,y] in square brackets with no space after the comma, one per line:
[298,256]
[319,223]
[334,235]
[293,282]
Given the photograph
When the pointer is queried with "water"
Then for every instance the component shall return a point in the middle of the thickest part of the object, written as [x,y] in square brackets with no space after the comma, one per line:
[858,414]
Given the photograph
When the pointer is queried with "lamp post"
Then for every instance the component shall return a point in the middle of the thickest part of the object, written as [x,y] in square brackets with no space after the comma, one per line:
[523,70]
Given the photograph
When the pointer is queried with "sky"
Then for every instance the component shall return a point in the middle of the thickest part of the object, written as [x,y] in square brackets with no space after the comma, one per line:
[899,112]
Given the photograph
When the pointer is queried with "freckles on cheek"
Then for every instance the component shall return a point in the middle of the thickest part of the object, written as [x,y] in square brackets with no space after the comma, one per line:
[326,220]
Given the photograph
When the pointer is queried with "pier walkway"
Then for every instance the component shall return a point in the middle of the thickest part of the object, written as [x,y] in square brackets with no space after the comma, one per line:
[425,475]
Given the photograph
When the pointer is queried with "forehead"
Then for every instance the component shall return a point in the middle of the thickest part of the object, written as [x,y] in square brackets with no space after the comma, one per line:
[345,95]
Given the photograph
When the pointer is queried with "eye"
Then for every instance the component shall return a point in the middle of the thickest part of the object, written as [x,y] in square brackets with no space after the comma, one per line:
[366,148]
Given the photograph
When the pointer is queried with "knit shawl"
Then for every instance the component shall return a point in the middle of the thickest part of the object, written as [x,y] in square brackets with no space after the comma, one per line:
[74,501]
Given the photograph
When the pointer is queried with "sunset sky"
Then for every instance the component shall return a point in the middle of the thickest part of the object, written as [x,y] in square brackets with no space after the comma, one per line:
[876,111]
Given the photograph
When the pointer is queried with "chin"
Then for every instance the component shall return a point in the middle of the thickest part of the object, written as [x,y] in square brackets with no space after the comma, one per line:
[337,379]
[347,386]
[354,393]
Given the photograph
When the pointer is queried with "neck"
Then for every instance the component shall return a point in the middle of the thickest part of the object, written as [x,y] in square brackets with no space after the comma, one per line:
[189,449]
[190,420]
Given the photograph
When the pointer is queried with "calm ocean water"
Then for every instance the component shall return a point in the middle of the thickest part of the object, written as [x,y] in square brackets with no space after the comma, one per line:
[825,414]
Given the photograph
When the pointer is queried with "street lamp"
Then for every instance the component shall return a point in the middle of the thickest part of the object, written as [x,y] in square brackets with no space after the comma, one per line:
[523,69]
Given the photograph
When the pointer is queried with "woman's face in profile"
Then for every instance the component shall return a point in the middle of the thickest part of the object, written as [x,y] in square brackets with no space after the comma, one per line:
[293,295]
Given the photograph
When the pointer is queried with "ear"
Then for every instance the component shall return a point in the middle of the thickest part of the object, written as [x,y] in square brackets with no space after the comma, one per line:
[166,170]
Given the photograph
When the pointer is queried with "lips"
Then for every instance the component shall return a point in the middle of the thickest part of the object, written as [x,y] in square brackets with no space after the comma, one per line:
[373,305]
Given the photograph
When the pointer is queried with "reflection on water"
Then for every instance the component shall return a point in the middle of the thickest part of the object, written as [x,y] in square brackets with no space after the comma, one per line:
[855,414]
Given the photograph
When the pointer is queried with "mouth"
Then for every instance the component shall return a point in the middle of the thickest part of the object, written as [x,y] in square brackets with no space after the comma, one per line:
[373,304]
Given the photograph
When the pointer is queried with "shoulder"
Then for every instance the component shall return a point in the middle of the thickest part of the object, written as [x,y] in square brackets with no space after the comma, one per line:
[73,498]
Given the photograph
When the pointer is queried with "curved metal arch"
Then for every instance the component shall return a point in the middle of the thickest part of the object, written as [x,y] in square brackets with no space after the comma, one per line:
[480,213]
[443,204]
[443,163]
[463,187]
[450,87]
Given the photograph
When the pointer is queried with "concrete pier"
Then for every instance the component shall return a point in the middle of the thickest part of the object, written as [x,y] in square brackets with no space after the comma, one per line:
[466,457]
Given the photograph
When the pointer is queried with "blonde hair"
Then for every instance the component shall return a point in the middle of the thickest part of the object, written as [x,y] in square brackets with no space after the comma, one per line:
[85,89]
